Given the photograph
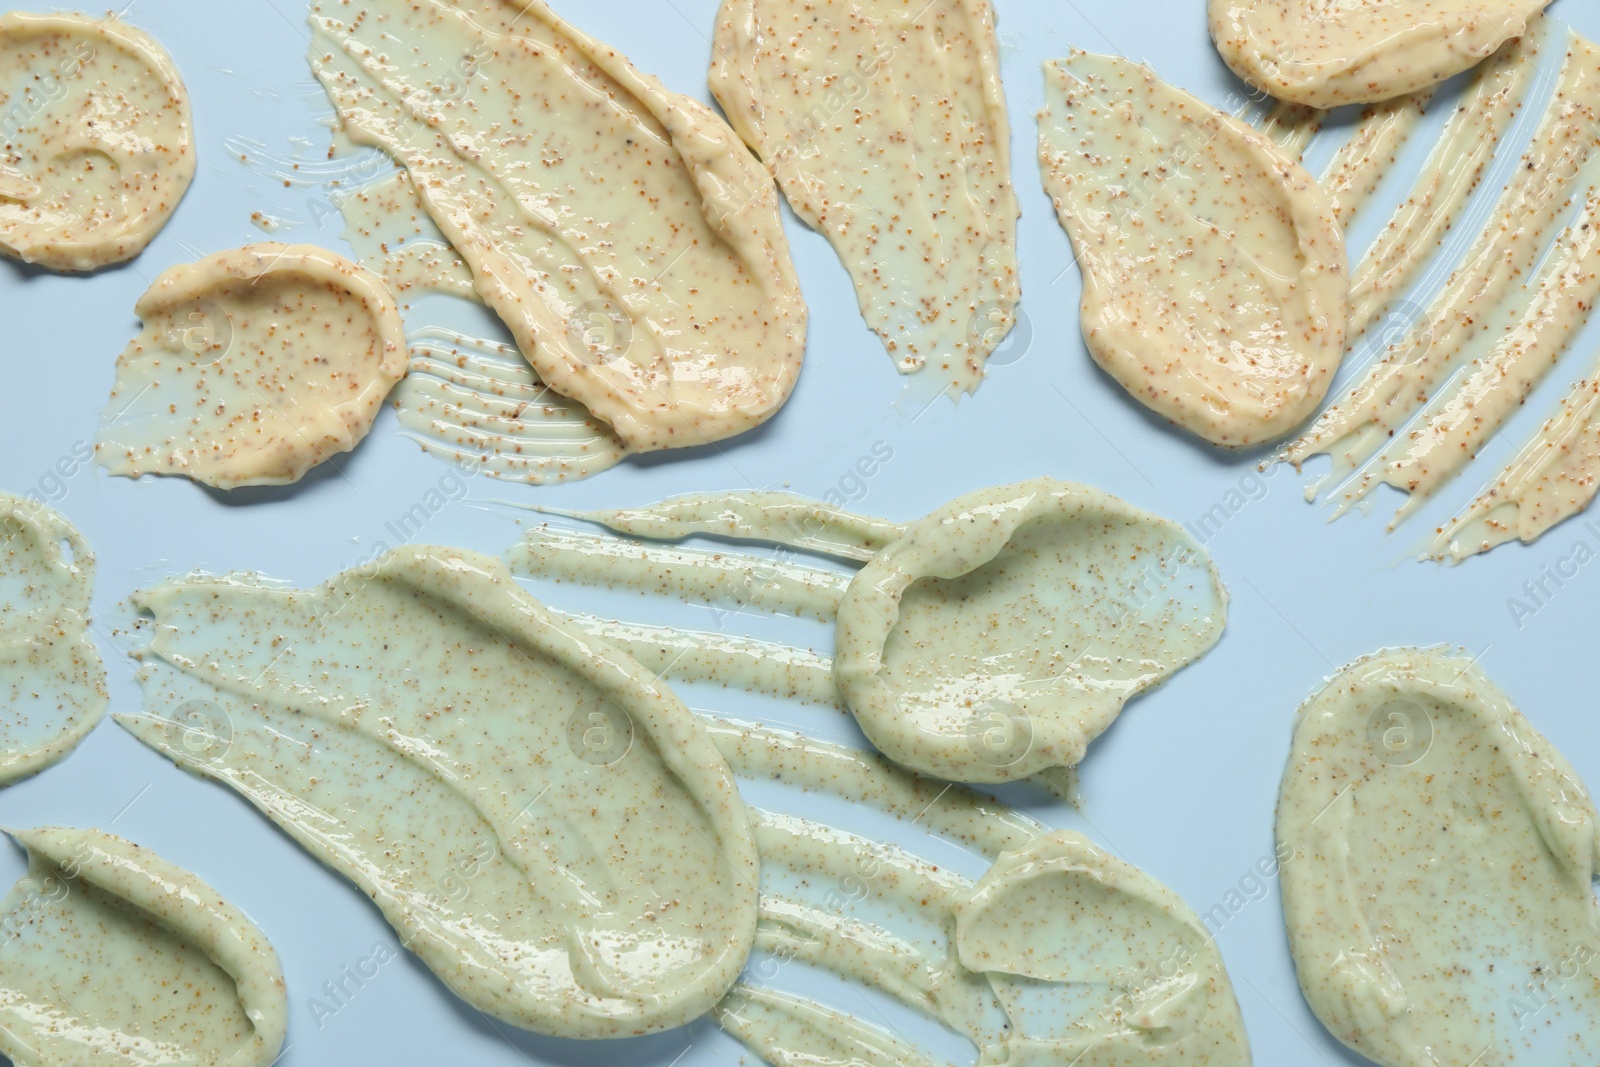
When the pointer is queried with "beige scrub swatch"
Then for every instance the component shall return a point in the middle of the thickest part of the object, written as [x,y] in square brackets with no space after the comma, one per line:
[98,140]
[111,955]
[421,725]
[630,243]
[52,683]
[885,125]
[1214,282]
[252,367]
[1439,901]
[1327,53]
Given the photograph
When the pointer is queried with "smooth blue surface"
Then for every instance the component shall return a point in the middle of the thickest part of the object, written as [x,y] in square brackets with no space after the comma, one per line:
[1183,785]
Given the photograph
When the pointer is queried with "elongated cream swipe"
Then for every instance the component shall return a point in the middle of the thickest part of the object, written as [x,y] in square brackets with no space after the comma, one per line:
[1292,127]
[790,1031]
[1439,900]
[478,405]
[98,143]
[1327,53]
[1364,158]
[885,125]
[546,825]
[1214,284]
[1448,178]
[702,656]
[1564,150]
[52,683]
[1552,477]
[254,365]
[724,579]
[162,971]
[631,245]
[388,228]
[755,515]
[1464,415]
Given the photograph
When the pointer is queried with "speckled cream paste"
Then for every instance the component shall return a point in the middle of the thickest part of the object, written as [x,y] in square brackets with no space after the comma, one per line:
[627,239]
[1058,954]
[1326,53]
[1552,477]
[478,405]
[885,125]
[990,641]
[96,140]
[52,683]
[546,825]
[1452,172]
[1005,631]
[1564,156]
[111,955]
[1440,904]
[1214,285]
[1361,161]
[390,232]
[253,366]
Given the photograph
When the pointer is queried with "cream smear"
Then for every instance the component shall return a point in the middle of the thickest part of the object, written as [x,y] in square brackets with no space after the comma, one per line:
[546,825]
[632,246]
[1326,53]
[391,234]
[52,683]
[1561,159]
[1214,285]
[1440,904]
[1058,954]
[988,642]
[885,125]
[98,939]
[98,142]
[478,404]
[253,366]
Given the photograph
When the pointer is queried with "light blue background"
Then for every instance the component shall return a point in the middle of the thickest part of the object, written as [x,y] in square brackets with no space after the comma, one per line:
[1183,785]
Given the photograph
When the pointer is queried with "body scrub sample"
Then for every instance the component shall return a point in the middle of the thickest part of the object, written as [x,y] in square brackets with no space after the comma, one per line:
[98,140]
[1214,284]
[253,366]
[115,956]
[1440,903]
[628,240]
[547,827]
[52,683]
[885,125]
[1325,53]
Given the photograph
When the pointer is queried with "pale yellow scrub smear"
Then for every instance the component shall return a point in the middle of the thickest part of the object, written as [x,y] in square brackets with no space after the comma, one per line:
[52,683]
[111,955]
[628,240]
[1326,53]
[1214,284]
[253,366]
[1439,898]
[98,143]
[885,125]
[544,823]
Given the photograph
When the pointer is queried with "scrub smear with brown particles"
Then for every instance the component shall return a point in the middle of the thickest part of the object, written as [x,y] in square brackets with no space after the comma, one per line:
[111,955]
[1214,282]
[1326,53]
[253,366]
[885,125]
[97,146]
[630,243]
[52,683]
[1438,885]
